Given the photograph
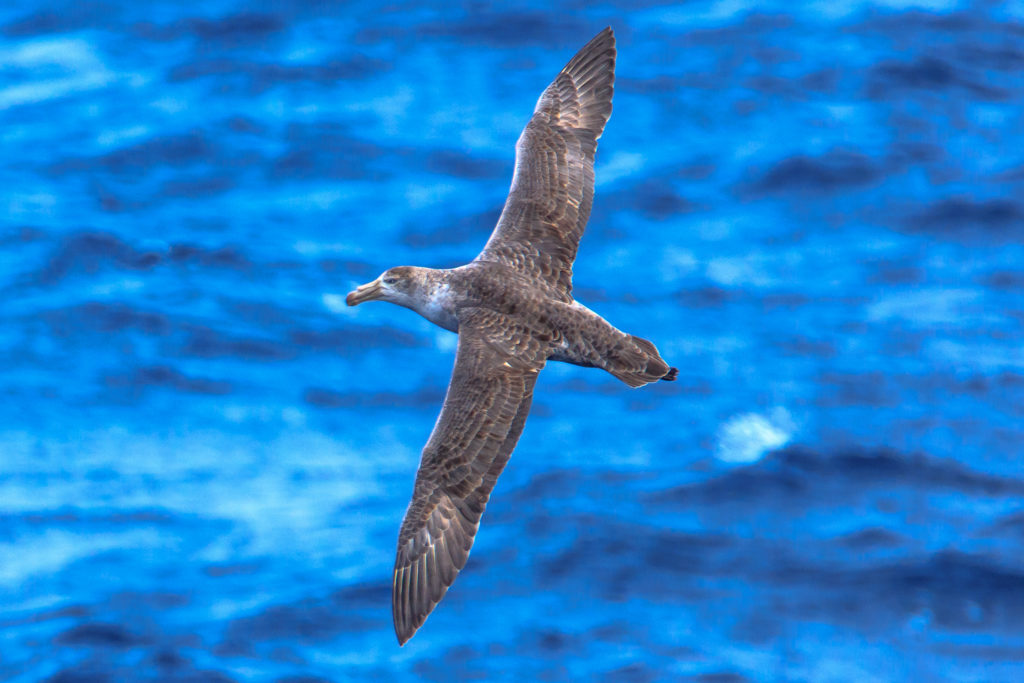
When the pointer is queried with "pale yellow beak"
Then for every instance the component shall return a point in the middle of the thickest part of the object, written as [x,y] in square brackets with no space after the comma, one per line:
[367,292]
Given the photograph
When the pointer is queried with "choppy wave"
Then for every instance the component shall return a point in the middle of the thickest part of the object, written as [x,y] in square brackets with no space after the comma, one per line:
[814,212]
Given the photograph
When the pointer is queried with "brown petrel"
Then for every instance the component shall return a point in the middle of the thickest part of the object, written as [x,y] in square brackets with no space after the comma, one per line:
[513,310]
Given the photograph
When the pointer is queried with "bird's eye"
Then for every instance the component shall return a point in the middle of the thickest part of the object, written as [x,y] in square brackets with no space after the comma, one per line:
[390,280]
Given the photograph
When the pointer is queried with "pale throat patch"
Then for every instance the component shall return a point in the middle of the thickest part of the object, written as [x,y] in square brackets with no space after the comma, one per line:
[437,307]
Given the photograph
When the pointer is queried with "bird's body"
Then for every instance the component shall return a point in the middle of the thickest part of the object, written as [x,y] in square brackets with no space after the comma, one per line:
[568,331]
[513,310]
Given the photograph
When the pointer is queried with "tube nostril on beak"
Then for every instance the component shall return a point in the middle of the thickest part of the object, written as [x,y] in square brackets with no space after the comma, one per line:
[362,293]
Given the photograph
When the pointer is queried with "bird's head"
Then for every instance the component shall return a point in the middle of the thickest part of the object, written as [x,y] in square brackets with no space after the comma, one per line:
[396,285]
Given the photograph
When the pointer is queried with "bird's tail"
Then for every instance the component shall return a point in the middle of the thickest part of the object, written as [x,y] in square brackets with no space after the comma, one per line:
[641,364]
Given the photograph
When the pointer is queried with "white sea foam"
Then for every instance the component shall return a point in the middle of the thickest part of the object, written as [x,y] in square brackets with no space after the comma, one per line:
[739,271]
[420,195]
[445,340]
[118,136]
[929,307]
[749,437]
[34,203]
[390,109]
[70,66]
[314,248]
[620,165]
[676,263]
[54,549]
[335,303]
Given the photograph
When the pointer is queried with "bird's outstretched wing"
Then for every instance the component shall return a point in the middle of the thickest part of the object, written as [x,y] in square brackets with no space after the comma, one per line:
[553,184]
[484,411]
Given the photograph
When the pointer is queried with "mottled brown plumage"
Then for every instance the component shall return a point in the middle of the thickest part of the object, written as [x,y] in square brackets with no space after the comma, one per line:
[553,183]
[513,310]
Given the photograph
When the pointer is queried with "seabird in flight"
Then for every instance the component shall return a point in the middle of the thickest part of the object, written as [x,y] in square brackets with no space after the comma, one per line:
[513,309]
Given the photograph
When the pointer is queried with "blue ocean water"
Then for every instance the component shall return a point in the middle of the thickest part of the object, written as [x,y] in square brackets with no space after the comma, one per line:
[813,209]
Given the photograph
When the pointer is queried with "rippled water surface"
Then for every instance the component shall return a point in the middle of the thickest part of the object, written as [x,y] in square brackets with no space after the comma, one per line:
[813,209]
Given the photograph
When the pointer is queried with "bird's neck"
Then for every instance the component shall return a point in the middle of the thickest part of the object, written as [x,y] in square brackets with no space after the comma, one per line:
[435,301]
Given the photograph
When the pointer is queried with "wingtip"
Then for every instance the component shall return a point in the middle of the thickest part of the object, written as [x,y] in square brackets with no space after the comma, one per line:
[604,35]
[403,632]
